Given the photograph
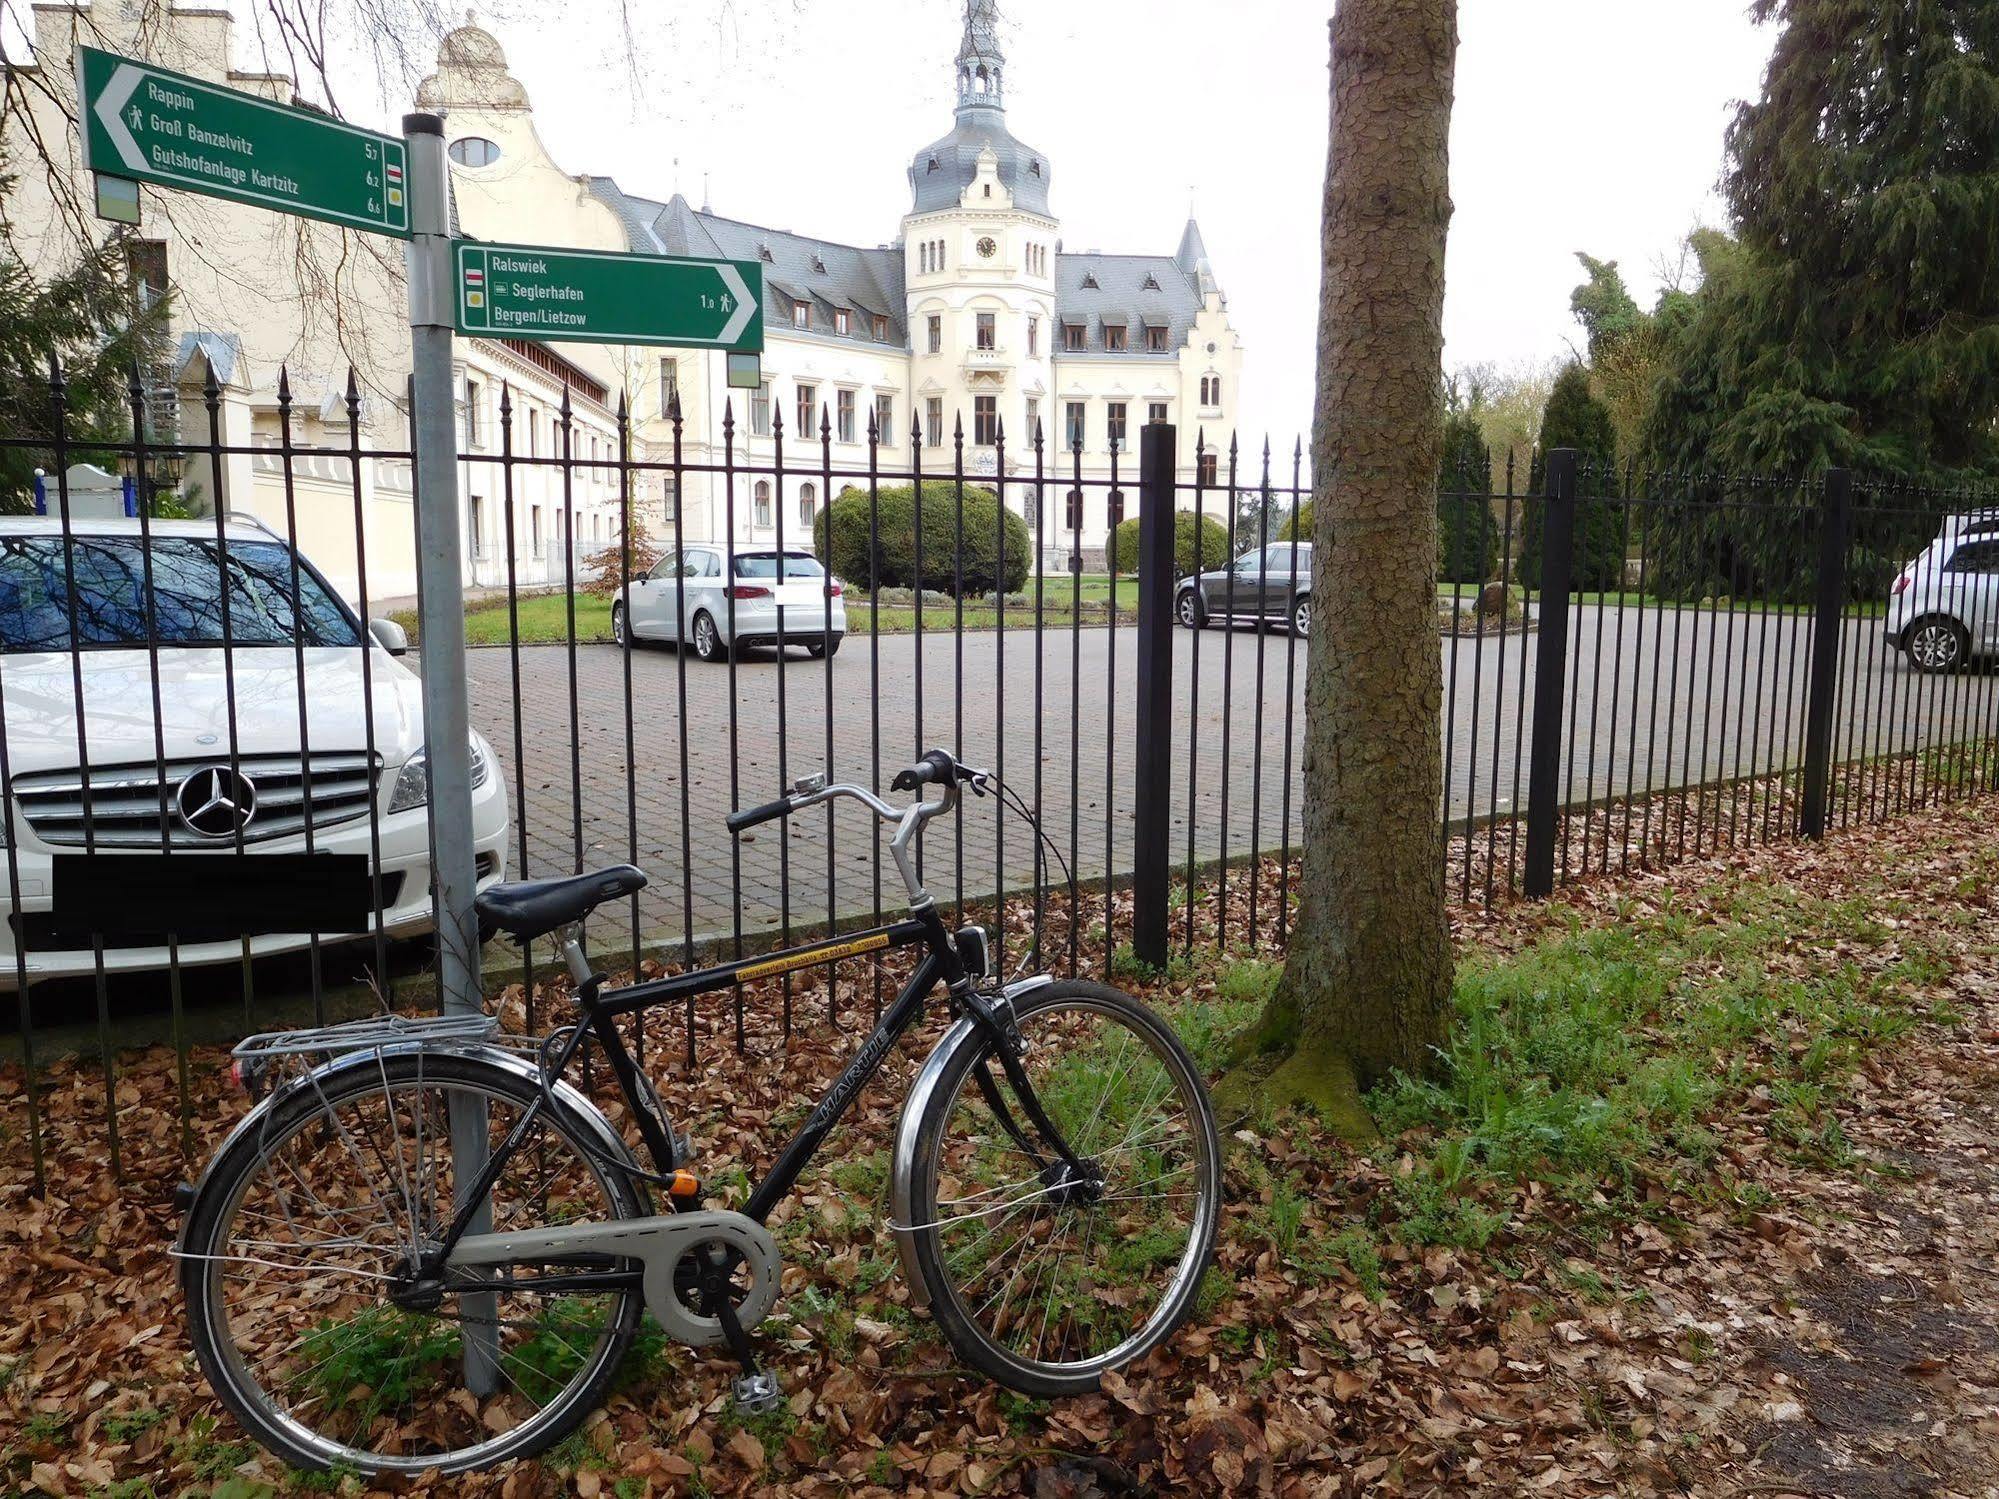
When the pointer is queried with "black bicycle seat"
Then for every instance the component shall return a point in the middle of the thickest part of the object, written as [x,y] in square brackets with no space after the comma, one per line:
[527,909]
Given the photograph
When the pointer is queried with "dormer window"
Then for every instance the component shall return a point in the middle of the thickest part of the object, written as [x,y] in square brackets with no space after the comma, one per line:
[1114,336]
[881,329]
[840,320]
[1090,281]
[801,314]
[933,165]
[1155,337]
[819,264]
[1075,336]
[1151,282]
[763,254]
[1034,168]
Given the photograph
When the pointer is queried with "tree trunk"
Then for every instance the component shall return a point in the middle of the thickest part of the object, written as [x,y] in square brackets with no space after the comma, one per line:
[1366,983]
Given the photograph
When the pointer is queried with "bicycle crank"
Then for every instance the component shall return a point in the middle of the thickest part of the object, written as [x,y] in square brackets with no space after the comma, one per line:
[659,1243]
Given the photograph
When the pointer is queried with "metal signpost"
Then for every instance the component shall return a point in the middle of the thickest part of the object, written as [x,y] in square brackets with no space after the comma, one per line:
[150,124]
[532,291]
[142,123]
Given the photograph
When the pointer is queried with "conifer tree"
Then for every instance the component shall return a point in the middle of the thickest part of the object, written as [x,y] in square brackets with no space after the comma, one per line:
[1855,318]
[1577,419]
[87,318]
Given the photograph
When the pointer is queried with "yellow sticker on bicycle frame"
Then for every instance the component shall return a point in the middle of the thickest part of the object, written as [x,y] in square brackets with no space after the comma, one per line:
[828,954]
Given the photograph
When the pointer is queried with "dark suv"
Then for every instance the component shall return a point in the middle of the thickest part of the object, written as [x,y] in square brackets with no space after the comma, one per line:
[1272,585]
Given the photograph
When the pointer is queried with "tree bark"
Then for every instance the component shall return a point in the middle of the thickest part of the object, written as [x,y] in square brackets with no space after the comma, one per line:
[1366,983]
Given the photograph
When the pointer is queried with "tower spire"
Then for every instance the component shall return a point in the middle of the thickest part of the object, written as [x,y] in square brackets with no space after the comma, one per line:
[980,61]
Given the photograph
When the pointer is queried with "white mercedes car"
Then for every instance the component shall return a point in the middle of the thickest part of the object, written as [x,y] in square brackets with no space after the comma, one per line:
[175,783]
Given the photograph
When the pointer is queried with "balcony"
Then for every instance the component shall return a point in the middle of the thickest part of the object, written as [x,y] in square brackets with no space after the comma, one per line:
[986,361]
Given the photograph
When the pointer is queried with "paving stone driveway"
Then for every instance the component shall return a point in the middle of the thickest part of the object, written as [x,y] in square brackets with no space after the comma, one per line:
[1724,695]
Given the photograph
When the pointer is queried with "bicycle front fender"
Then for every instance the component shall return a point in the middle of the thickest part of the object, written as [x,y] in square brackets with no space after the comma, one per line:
[901,1186]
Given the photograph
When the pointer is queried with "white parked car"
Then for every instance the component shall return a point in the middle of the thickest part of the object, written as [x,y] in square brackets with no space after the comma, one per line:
[735,609]
[1943,608]
[206,798]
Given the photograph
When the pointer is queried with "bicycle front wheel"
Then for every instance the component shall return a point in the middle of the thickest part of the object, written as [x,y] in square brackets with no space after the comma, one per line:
[296,1264]
[1041,1280]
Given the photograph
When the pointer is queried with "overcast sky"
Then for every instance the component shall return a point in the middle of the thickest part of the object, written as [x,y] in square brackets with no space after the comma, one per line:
[1580,124]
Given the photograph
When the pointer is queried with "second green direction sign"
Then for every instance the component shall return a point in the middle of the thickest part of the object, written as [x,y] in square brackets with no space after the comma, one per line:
[530,291]
[154,125]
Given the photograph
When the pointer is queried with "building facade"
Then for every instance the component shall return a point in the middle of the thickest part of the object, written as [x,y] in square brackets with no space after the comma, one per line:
[975,315]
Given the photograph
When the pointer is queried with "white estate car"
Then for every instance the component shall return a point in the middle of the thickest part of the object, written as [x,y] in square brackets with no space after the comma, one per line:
[207,798]
[1943,608]
[726,610]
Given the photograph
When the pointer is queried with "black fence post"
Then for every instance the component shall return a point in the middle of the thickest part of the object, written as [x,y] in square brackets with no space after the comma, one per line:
[1835,522]
[1551,656]
[1152,801]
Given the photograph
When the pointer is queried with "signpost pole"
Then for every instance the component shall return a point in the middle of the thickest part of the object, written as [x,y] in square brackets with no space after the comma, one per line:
[446,712]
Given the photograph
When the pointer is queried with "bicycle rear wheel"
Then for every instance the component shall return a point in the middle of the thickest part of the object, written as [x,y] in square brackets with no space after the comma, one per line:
[295,1262]
[1041,1281]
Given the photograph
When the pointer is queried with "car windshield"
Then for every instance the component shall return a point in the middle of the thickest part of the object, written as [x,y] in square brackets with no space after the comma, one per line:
[764,565]
[187,594]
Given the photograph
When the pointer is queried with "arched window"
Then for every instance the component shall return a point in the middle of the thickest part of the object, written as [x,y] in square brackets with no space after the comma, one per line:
[761,514]
[808,505]
[1211,390]
[474,151]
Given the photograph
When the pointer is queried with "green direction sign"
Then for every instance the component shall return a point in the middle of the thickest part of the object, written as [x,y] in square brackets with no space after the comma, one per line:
[529,291]
[159,126]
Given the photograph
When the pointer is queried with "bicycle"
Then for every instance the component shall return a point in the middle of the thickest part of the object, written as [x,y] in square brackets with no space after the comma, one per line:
[425,1248]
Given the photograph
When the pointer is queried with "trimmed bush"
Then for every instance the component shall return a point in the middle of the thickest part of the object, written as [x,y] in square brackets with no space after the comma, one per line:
[1194,550]
[840,535]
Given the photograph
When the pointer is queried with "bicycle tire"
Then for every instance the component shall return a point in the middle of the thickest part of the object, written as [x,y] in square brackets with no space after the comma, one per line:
[225,1186]
[961,1322]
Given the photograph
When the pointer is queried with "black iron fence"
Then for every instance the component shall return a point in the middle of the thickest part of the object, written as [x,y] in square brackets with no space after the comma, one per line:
[1637,670]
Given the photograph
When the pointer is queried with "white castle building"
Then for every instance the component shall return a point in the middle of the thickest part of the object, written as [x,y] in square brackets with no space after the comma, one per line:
[976,313]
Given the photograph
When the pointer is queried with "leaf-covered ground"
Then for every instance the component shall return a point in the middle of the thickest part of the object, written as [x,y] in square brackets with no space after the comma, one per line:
[1701,1201]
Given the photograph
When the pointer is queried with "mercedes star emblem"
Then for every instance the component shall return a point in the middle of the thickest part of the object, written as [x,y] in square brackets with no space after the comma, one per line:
[215,801]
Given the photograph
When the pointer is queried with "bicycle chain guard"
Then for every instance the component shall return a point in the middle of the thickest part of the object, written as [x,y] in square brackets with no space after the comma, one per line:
[659,1243]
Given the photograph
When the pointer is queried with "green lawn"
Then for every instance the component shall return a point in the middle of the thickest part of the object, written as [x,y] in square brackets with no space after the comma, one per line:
[544,617]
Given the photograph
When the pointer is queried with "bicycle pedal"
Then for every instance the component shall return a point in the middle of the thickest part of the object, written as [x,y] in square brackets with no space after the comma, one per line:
[758,1393]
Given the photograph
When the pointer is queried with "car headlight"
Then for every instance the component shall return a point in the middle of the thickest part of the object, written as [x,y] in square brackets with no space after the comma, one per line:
[413,782]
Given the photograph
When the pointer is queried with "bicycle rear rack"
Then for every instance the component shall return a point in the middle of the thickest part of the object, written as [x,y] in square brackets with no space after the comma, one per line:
[368,1034]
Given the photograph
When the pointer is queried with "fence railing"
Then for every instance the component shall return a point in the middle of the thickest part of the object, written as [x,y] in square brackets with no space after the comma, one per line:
[1637,670]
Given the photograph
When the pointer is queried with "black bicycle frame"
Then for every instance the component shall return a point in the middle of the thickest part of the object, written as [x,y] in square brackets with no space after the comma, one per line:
[942,964]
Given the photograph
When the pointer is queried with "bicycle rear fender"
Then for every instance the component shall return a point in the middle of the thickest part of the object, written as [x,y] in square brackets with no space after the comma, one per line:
[567,1096]
[928,1078]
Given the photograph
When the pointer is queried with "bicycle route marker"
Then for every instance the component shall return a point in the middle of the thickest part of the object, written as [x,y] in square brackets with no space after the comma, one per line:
[601,297]
[151,124]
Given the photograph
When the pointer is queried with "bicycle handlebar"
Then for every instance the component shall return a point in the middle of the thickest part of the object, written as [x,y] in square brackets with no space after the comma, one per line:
[749,817]
[936,768]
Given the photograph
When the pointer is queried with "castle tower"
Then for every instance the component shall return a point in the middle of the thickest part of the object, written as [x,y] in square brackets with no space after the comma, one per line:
[978,269]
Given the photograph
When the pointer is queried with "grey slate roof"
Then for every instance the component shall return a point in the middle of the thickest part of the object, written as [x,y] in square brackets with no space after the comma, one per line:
[1121,296]
[223,351]
[864,281]
[869,281]
[1023,169]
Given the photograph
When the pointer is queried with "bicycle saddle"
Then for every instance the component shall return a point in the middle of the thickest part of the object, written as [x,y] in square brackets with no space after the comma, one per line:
[527,909]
